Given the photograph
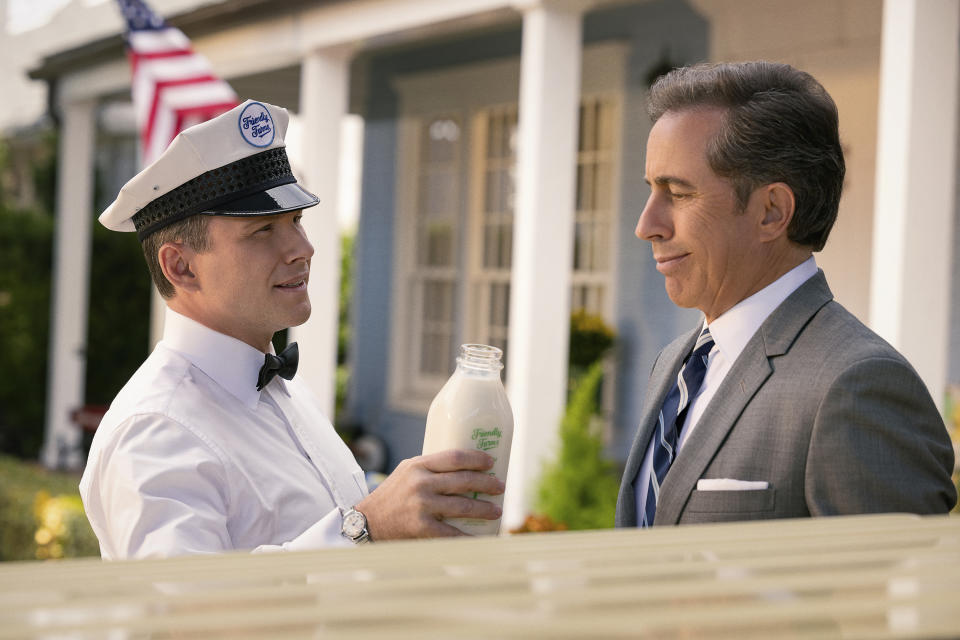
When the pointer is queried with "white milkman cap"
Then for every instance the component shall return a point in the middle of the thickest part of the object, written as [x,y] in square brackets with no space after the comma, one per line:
[232,165]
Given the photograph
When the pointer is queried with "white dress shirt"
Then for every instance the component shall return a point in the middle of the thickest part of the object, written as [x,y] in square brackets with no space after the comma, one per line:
[731,332]
[191,458]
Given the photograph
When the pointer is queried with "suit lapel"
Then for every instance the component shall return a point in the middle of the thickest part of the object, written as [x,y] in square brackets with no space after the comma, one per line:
[662,377]
[741,383]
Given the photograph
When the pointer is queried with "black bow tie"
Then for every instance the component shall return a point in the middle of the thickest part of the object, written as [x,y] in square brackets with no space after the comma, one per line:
[285,364]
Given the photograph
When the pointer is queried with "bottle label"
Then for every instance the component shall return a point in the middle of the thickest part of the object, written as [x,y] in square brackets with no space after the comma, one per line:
[487,440]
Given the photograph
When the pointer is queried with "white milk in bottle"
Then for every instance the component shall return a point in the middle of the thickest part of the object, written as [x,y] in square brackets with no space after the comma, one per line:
[472,412]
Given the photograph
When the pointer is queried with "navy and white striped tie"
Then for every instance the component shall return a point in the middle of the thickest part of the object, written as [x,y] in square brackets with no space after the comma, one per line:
[671,419]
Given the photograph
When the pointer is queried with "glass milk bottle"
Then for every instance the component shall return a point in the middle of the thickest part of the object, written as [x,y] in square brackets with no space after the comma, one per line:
[472,412]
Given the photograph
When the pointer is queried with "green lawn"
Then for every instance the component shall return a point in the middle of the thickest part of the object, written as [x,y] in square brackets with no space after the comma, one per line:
[41,515]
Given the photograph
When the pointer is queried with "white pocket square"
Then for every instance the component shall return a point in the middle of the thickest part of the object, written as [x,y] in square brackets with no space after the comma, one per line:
[729,484]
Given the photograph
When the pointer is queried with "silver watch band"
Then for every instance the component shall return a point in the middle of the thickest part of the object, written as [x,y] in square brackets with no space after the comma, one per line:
[354,526]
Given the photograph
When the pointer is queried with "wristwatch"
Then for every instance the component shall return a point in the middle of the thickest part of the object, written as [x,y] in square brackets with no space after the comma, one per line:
[354,526]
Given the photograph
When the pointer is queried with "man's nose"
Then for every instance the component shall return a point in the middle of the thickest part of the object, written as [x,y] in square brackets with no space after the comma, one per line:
[306,249]
[653,223]
[300,248]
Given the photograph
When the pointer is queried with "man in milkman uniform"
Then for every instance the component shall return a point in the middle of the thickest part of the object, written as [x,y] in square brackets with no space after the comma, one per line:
[213,445]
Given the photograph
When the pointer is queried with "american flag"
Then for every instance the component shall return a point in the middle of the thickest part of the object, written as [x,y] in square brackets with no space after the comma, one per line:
[173,87]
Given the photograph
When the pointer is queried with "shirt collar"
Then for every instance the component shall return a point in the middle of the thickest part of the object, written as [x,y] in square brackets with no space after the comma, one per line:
[231,363]
[733,329]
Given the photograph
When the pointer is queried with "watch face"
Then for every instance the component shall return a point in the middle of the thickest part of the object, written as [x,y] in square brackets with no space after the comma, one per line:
[353,524]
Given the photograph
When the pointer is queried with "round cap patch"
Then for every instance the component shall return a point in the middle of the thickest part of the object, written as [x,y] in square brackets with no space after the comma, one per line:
[256,125]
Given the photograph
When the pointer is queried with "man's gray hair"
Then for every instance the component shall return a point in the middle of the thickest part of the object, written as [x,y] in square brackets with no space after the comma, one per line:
[779,125]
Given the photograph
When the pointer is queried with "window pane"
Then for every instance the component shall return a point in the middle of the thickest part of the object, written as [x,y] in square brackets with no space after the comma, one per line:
[583,142]
[436,212]
[498,189]
[437,195]
[491,190]
[437,238]
[436,327]
[511,190]
[585,188]
[493,137]
[600,244]
[604,187]
[604,125]
[439,141]
[499,305]
[508,132]
[489,246]
[506,250]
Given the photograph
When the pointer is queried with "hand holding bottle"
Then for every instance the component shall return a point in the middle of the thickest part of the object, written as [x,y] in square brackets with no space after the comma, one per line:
[421,492]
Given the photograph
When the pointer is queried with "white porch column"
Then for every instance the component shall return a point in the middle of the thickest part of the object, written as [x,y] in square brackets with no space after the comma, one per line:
[323,104]
[915,184]
[542,241]
[71,276]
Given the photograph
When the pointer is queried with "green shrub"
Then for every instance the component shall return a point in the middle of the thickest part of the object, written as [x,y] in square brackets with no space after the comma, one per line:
[119,310]
[118,333]
[25,265]
[590,338]
[579,489]
[343,332]
[346,292]
[41,515]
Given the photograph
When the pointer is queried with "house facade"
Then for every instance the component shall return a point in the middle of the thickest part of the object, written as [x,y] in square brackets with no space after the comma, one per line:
[502,177]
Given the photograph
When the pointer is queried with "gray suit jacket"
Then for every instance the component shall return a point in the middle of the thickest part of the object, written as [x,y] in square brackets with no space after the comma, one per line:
[820,407]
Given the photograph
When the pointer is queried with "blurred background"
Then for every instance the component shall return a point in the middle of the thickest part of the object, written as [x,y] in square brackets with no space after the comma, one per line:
[458,148]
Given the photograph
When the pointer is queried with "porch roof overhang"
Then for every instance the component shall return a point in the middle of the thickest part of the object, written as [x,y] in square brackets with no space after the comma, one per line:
[248,37]
[244,38]
[197,22]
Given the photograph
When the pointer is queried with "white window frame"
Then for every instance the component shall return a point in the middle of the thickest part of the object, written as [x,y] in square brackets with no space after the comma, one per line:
[478,278]
[466,91]
[417,274]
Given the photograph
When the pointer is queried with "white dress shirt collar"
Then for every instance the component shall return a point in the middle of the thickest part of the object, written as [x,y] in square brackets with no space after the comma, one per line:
[733,329]
[231,363]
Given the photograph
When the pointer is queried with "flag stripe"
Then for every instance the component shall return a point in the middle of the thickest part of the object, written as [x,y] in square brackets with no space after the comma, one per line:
[156,71]
[159,89]
[145,42]
[172,85]
[162,55]
[212,100]
[195,115]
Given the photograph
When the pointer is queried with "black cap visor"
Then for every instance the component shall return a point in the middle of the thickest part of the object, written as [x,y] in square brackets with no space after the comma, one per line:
[279,199]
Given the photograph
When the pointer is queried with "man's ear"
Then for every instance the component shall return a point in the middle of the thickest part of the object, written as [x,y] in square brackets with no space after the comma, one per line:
[778,207]
[175,262]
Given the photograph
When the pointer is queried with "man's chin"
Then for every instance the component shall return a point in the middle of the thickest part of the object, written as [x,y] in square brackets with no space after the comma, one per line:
[300,317]
[675,293]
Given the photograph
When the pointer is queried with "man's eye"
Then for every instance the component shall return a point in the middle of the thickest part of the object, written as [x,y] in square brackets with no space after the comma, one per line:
[678,196]
[266,227]
[297,218]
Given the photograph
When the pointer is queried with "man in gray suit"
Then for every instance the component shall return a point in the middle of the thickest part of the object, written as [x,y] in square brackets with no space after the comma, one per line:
[781,404]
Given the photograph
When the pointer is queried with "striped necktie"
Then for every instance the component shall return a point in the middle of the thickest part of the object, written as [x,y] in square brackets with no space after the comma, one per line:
[671,419]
